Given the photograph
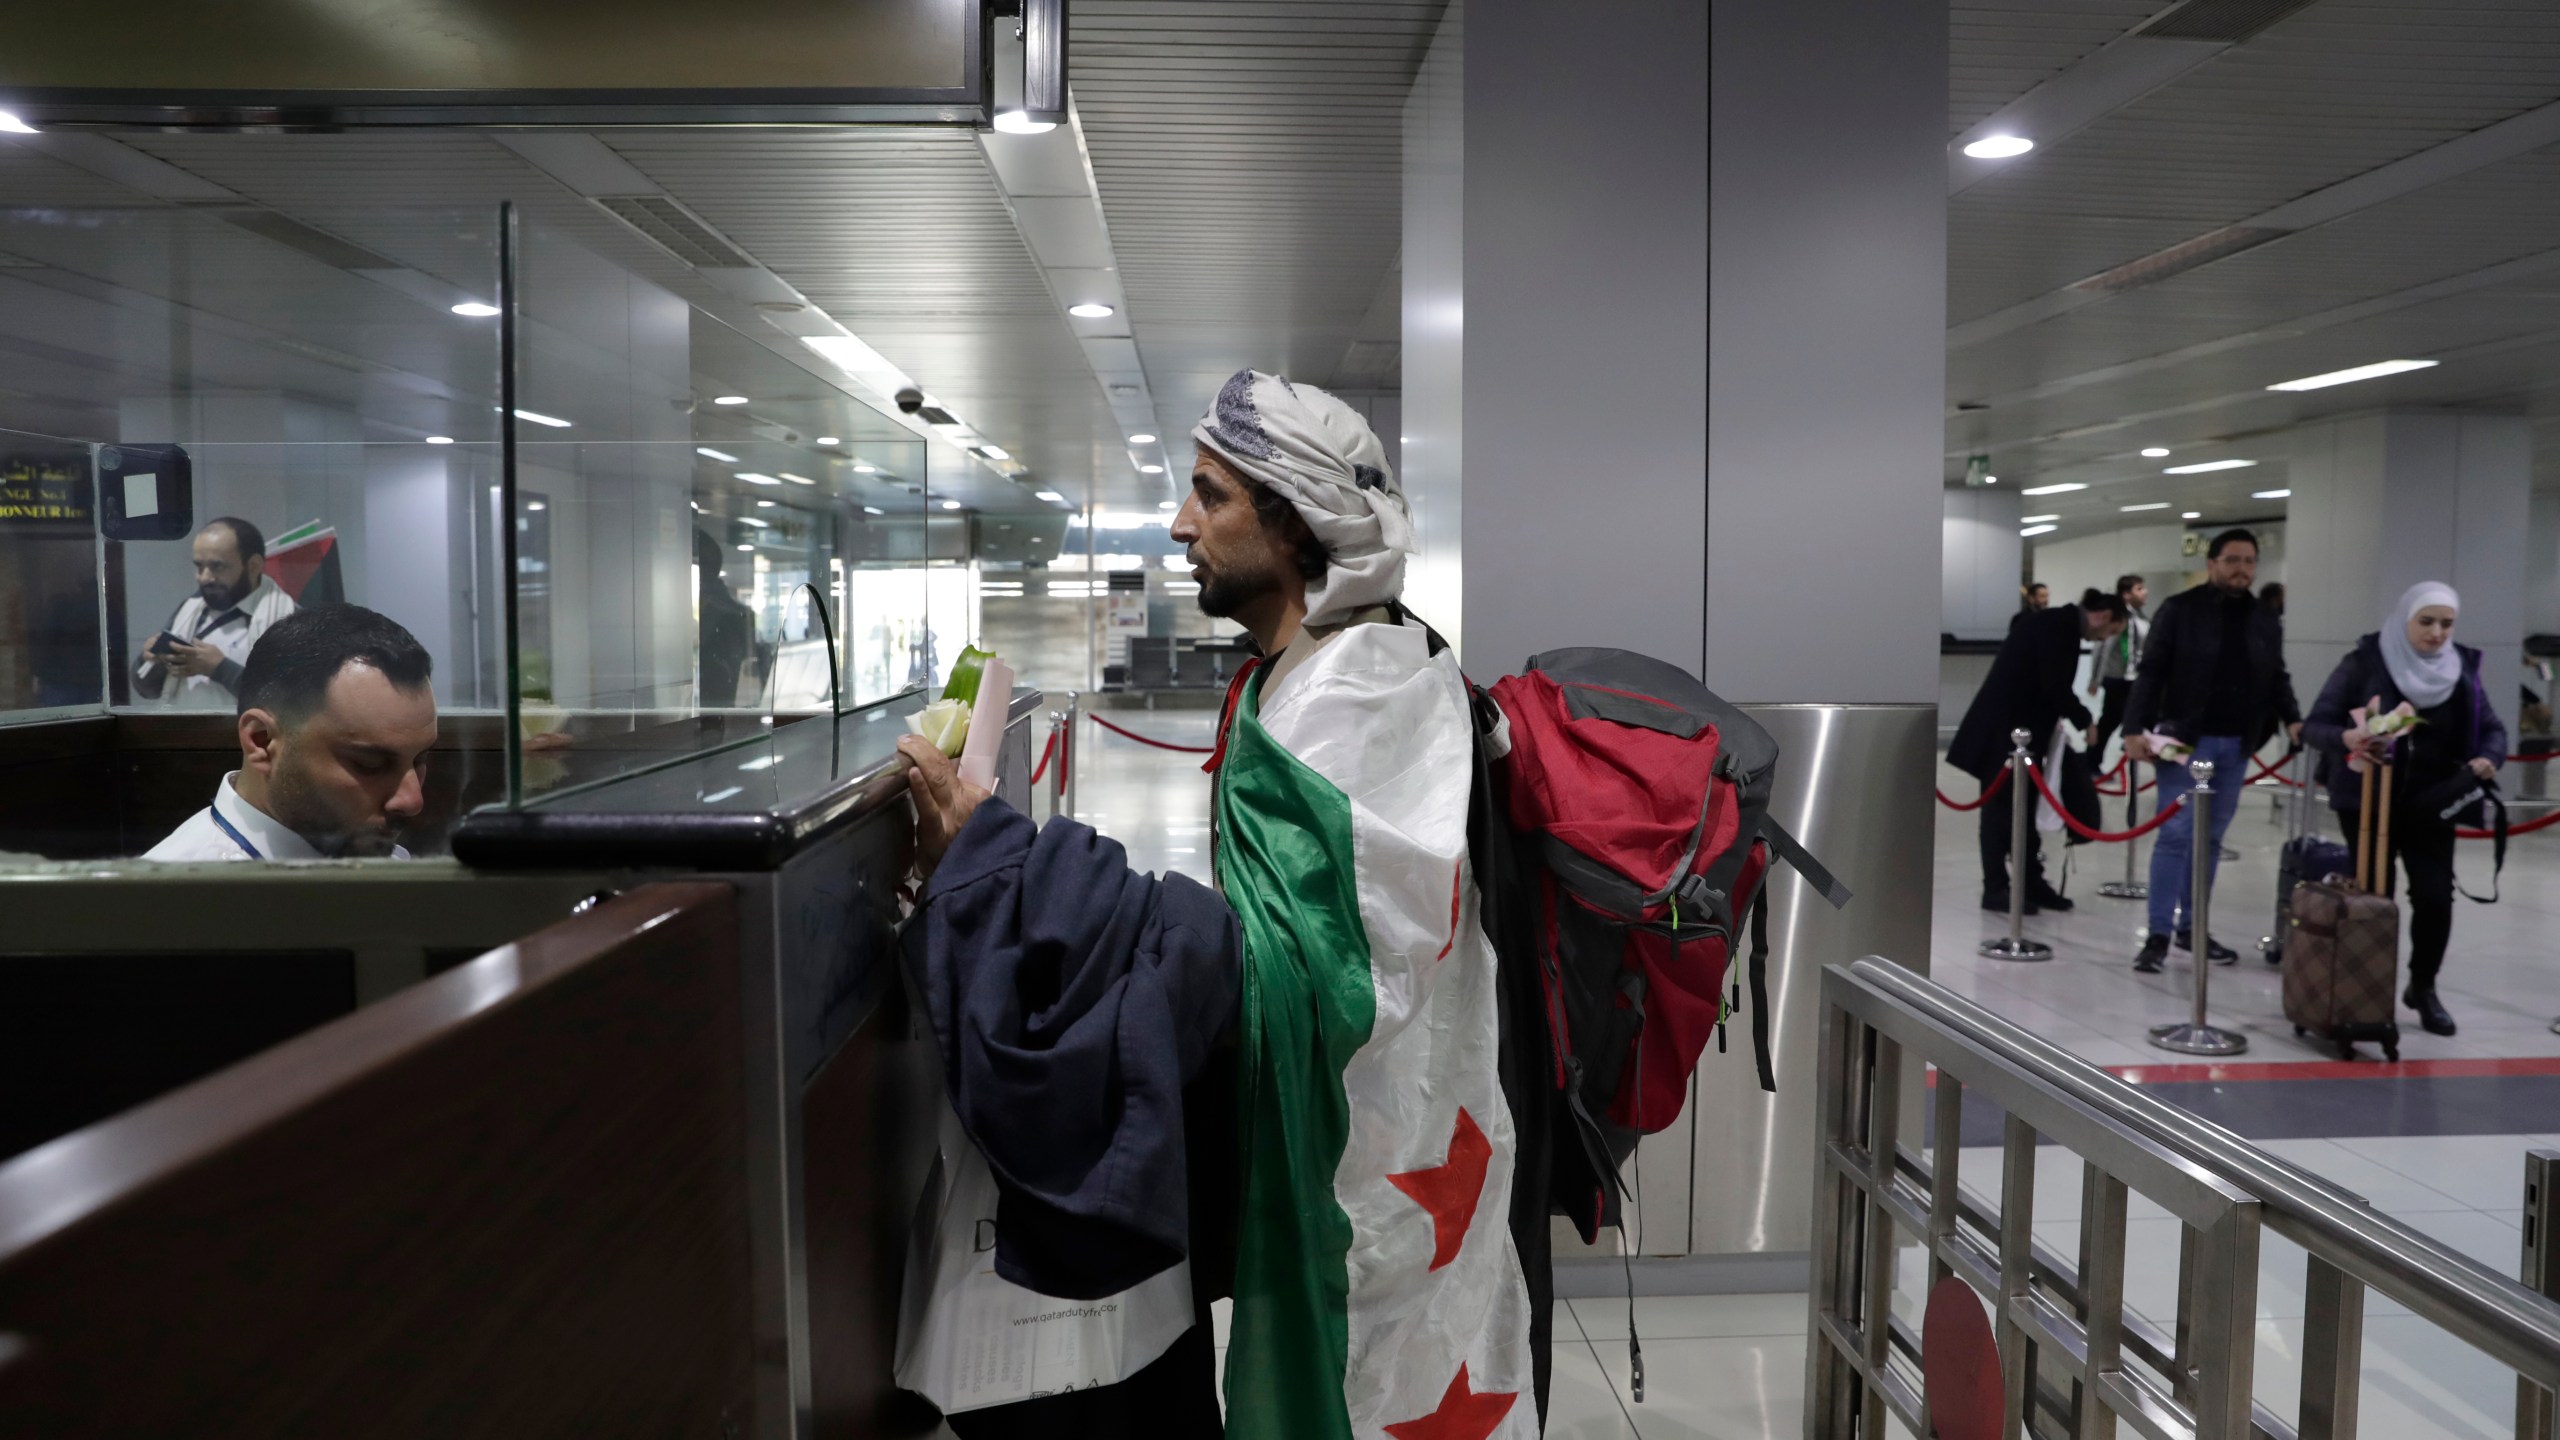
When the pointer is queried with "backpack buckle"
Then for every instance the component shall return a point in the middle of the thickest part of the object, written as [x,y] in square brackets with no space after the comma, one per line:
[1695,895]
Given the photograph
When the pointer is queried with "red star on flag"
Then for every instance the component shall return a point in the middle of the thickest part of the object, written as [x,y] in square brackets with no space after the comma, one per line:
[1463,1414]
[1449,1191]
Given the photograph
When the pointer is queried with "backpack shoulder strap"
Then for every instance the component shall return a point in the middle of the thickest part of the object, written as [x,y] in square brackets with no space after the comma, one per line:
[1786,847]
[1760,989]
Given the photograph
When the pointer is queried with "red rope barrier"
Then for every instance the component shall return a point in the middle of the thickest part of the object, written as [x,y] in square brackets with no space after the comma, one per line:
[2105,836]
[1148,740]
[1980,800]
[2527,828]
[1045,752]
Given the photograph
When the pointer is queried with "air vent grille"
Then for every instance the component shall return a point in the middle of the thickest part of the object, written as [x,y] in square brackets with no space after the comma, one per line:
[2182,257]
[2231,21]
[676,230]
[936,415]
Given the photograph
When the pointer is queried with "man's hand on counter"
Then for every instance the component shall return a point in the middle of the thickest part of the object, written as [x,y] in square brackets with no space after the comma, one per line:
[944,801]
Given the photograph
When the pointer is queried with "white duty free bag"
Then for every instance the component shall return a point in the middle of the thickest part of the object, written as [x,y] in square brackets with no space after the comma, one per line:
[968,1338]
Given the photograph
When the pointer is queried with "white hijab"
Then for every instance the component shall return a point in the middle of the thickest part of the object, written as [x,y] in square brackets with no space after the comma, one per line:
[1319,454]
[2425,679]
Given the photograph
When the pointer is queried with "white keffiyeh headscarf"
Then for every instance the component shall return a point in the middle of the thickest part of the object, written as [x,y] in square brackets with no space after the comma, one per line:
[1319,453]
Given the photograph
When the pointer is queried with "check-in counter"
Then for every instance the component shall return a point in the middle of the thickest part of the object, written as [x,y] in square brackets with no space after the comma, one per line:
[132,1017]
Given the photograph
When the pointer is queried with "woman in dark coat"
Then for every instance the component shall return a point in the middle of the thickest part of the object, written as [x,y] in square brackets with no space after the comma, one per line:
[2412,659]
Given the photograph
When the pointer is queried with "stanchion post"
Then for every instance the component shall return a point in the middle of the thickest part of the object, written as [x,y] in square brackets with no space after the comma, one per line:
[1067,755]
[1057,762]
[2194,1036]
[2129,888]
[2015,945]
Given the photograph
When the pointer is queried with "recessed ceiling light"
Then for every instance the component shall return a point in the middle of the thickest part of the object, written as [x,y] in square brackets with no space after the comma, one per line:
[439,439]
[950,504]
[873,510]
[2038,530]
[829,440]
[2154,505]
[1999,147]
[2036,519]
[2154,452]
[1052,496]
[723,456]
[728,399]
[994,452]
[2191,515]
[1090,311]
[864,467]
[753,478]
[1168,504]
[554,421]
[1019,122]
[2054,489]
[1150,469]
[2208,467]
[2374,371]
[751,520]
[764,504]
[2269,494]
[535,505]
[477,310]
[1142,439]
[746,549]
[798,479]
[12,125]
[1994,480]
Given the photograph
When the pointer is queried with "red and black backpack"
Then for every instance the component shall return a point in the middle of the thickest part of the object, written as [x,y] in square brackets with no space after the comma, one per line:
[1637,809]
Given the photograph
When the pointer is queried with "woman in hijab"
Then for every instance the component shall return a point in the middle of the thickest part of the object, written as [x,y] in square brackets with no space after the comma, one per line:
[2411,661]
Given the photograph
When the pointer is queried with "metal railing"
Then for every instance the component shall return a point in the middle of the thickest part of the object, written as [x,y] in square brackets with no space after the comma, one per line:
[2073,1360]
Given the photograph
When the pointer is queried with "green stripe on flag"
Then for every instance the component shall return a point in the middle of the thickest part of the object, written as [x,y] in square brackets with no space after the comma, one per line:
[1285,861]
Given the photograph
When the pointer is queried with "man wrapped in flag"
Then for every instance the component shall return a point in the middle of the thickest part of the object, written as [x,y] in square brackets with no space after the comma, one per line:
[1356,1193]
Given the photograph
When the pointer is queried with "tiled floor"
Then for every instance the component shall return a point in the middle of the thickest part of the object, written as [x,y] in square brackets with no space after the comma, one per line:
[1733,1366]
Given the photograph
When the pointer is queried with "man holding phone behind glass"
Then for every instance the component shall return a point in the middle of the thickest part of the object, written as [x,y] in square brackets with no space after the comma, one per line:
[195,661]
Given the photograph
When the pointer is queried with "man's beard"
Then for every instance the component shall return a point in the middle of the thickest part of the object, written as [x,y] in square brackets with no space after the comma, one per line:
[219,597]
[1223,595]
[302,812]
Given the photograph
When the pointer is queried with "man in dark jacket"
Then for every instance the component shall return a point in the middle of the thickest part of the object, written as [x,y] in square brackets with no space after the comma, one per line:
[2029,688]
[2212,678]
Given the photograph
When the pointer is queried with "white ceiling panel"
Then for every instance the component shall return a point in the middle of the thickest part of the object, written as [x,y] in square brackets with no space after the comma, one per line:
[2397,140]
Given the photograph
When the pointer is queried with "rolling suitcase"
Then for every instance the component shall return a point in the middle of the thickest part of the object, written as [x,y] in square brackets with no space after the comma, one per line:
[2307,855]
[2342,944]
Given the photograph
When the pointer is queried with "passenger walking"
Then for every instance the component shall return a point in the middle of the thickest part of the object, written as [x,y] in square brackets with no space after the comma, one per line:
[2459,739]
[2029,688]
[2211,685]
[2116,662]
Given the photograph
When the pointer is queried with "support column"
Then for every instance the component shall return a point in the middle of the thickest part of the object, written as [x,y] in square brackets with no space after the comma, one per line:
[2383,501]
[1693,360]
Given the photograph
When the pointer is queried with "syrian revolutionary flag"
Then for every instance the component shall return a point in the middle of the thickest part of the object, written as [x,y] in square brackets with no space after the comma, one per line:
[304,564]
[1377,1292]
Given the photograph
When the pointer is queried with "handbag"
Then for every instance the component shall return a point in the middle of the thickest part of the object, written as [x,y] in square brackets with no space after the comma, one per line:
[968,1338]
[2466,800]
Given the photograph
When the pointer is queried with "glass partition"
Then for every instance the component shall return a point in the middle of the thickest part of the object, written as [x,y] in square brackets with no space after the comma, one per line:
[210,418]
[687,536]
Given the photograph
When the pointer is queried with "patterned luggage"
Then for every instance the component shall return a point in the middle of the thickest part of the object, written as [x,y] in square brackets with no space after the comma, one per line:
[2342,945]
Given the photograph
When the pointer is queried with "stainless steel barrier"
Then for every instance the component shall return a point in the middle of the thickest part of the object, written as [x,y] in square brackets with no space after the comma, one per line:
[2196,1036]
[2131,887]
[2022,876]
[2073,1360]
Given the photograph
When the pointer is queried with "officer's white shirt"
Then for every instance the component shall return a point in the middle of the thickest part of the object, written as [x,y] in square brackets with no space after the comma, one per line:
[234,632]
[253,834]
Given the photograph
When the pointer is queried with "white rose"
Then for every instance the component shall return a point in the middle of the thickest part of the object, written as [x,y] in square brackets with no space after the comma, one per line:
[945,723]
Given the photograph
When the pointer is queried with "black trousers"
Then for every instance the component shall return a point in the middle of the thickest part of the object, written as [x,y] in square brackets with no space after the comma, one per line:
[2425,852]
[2110,713]
[1995,843]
